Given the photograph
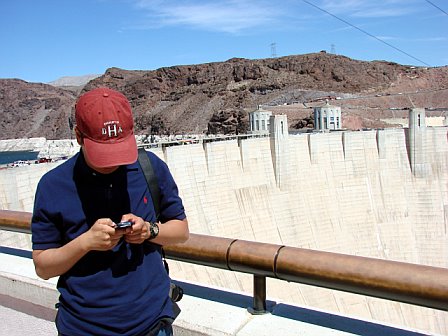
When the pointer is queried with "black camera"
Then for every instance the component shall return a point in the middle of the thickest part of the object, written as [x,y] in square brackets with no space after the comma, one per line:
[124,225]
[176,292]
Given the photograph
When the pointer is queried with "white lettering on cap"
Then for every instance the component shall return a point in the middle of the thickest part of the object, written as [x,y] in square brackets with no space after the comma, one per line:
[111,130]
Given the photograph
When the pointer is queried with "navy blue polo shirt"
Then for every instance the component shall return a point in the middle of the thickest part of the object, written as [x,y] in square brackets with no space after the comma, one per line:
[117,292]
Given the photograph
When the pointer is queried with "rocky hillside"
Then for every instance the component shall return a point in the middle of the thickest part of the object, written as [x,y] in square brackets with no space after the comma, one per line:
[34,110]
[216,97]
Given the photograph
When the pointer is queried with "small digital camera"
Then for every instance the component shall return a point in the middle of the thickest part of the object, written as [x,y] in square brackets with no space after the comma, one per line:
[124,225]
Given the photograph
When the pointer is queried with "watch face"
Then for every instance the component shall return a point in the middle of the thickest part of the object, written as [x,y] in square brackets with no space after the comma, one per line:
[154,228]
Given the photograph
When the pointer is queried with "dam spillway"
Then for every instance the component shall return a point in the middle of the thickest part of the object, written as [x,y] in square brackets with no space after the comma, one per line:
[378,193]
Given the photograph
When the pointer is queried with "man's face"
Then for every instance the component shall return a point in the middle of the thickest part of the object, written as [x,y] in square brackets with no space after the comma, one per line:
[103,170]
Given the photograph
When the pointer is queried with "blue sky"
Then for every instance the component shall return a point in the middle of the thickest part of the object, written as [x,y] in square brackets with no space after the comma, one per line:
[43,40]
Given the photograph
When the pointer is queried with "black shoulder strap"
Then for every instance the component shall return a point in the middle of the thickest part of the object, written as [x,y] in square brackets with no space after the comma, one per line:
[151,179]
[153,187]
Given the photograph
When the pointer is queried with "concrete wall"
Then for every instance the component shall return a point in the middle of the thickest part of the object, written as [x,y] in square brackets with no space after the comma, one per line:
[347,192]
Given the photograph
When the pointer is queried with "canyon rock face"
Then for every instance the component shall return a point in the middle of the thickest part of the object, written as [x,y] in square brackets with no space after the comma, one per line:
[31,110]
[217,97]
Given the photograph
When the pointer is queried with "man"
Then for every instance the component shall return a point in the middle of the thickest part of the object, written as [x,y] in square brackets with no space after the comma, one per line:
[112,280]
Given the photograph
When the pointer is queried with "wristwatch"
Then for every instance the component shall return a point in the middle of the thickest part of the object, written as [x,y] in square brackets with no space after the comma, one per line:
[153,230]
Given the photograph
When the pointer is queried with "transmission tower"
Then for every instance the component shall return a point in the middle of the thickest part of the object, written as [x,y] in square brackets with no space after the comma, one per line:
[333,49]
[273,50]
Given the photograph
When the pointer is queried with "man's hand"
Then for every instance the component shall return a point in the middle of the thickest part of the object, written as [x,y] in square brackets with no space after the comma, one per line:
[173,231]
[102,236]
[139,231]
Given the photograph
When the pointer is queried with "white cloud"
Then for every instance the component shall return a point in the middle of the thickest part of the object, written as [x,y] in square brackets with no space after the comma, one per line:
[369,8]
[419,40]
[231,16]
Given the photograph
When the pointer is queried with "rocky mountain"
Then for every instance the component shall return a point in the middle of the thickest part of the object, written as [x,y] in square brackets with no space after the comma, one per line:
[73,80]
[216,97]
[34,110]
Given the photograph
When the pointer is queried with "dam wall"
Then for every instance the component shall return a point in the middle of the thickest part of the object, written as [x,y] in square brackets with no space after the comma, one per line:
[346,192]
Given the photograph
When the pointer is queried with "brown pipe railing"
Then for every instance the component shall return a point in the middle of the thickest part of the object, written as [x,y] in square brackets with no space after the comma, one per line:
[421,285]
[15,221]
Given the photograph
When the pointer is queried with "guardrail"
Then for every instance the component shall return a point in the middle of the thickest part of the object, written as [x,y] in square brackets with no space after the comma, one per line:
[202,140]
[420,285]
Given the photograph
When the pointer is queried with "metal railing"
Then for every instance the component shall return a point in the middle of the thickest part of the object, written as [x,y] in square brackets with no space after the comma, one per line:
[420,285]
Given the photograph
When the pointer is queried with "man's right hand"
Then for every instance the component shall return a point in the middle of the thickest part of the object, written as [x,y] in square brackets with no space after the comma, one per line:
[102,236]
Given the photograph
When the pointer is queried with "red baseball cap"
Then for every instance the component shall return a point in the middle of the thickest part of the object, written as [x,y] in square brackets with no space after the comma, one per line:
[104,117]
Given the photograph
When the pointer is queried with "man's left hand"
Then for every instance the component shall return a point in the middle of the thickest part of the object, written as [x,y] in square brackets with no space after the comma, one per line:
[139,230]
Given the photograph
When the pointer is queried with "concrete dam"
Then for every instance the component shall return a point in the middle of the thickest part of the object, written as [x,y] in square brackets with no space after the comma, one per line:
[376,193]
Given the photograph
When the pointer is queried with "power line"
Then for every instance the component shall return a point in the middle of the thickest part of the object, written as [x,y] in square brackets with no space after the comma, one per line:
[367,33]
[440,9]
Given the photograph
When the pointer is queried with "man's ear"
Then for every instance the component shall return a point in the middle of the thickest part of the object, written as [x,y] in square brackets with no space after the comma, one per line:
[78,136]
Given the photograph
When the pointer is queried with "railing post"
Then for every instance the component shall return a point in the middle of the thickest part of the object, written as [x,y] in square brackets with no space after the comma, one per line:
[259,304]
